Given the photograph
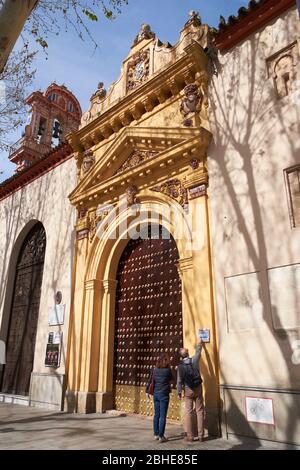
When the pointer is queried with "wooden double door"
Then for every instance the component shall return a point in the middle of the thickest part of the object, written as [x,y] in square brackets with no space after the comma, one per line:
[148,317]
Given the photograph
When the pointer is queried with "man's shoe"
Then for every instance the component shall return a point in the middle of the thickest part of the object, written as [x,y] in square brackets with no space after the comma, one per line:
[156,438]
[163,439]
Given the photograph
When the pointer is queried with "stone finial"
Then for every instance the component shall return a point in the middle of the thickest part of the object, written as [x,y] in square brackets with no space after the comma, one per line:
[100,92]
[145,33]
[194,19]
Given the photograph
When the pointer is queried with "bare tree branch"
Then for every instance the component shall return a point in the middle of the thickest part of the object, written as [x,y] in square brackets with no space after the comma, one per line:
[16,79]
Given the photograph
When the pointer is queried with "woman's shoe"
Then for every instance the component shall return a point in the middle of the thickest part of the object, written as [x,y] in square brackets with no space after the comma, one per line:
[163,439]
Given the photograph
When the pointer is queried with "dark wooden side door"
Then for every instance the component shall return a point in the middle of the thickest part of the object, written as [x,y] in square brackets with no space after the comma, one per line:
[21,337]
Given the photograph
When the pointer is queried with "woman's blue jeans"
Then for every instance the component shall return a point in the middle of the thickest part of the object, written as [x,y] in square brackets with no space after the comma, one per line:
[161,404]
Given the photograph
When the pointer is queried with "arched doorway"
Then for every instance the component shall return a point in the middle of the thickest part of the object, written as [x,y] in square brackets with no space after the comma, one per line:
[148,318]
[20,344]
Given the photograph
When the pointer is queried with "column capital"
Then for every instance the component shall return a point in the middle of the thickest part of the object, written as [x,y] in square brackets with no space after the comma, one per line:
[93,284]
[109,285]
[185,264]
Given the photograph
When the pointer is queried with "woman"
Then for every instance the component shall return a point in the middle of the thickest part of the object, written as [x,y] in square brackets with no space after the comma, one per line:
[162,376]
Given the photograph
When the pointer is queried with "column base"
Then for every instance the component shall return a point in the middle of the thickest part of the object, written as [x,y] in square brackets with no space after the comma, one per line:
[104,401]
[80,402]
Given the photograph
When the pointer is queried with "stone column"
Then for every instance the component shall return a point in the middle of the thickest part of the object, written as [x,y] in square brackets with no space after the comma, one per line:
[89,357]
[204,304]
[104,398]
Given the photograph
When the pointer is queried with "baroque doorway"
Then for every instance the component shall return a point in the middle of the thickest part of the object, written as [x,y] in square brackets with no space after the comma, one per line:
[23,321]
[148,318]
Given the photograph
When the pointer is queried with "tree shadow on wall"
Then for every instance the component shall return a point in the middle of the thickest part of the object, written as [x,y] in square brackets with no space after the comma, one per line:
[247,120]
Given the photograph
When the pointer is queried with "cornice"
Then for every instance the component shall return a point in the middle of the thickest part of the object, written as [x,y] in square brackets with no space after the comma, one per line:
[42,166]
[248,21]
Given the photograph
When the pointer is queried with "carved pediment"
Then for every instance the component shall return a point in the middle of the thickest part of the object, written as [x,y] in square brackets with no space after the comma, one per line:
[137,157]
[138,154]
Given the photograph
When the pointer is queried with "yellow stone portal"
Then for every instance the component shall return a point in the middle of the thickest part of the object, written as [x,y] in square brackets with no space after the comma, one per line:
[141,158]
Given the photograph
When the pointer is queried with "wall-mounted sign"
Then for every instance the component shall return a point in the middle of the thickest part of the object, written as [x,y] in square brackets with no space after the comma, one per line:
[260,410]
[204,335]
[53,349]
[56,315]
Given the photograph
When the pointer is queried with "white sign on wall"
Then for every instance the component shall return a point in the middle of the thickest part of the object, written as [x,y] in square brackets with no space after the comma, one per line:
[260,410]
[56,315]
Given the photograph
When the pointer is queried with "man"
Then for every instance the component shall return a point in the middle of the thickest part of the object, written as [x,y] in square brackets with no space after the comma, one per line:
[189,378]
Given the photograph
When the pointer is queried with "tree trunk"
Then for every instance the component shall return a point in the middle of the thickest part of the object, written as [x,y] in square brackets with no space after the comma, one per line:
[13,15]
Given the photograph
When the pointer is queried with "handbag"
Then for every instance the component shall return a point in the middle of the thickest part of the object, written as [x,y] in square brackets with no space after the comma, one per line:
[150,385]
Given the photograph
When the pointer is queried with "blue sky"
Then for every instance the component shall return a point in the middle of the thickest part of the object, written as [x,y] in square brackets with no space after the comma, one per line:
[74,63]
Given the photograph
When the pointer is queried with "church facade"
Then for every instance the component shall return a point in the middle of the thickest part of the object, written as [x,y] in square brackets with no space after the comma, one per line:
[129,228]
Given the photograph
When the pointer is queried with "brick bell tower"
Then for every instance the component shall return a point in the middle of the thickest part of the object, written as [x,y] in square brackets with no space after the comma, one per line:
[54,114]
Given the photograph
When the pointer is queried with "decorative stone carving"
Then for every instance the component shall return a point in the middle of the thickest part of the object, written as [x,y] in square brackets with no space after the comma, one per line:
[93,221]
[145,33]
[135,159]
[194,164]
[282,67]
[174,189]
[88,161]
[131,193]
[82,213]
[194,19]
[193,100]
[138,69]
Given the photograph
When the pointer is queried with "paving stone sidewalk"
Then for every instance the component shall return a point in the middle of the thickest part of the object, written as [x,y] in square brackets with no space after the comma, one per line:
[27,428]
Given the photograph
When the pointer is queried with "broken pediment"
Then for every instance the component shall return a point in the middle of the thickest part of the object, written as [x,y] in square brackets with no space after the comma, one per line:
[147,58]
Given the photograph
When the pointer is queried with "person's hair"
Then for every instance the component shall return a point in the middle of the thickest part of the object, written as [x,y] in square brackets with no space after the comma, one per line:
[183,353]
[163,361]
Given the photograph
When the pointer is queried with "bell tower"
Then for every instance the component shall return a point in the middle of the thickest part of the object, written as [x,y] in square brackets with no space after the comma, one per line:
[54,114]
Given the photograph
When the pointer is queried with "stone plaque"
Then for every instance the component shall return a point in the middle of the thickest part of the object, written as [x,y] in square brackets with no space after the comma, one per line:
[244,302]
[284,285]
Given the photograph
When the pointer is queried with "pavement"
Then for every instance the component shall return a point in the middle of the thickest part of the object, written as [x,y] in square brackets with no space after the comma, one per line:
[28,428]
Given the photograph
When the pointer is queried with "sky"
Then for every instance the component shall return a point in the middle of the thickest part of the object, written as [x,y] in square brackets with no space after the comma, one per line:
[76,64]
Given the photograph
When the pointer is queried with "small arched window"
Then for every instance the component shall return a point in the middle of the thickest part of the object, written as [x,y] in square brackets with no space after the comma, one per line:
[52,97]
[71,107]
[56,134]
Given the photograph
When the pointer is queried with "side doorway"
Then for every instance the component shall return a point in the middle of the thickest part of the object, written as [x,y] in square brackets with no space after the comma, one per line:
[20,343]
